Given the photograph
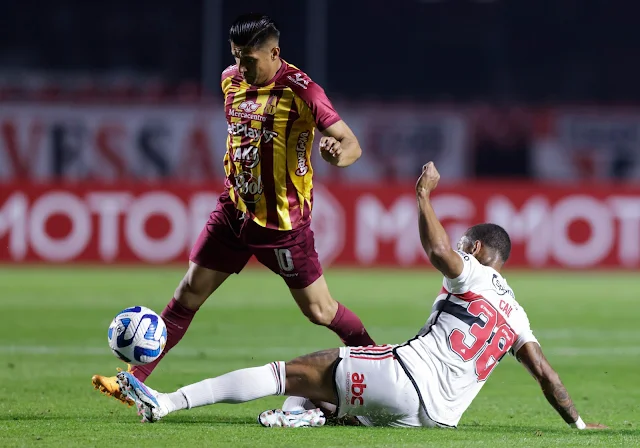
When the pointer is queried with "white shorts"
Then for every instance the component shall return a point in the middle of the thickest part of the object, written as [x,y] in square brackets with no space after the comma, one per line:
[373,387]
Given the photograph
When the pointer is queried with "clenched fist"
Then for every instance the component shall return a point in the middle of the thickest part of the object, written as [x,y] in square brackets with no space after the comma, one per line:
[428,180]
[330,149]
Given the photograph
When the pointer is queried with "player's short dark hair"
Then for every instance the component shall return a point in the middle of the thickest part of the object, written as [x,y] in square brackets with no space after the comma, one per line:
[253,30]
[492,236]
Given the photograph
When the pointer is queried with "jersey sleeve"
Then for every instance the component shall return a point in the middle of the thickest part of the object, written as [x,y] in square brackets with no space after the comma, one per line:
[463,282]
[524,334]
[225,77]
[323,112]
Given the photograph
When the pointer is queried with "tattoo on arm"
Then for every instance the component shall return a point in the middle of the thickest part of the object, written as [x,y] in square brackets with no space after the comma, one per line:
[531,356]
[559,398]
[322,358]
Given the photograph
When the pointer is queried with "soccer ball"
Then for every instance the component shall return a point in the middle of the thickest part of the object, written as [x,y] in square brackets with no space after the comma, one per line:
[137,335]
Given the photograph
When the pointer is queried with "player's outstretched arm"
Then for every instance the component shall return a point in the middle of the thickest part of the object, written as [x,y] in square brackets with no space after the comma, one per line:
[434,238]
[340,146]
[532,358]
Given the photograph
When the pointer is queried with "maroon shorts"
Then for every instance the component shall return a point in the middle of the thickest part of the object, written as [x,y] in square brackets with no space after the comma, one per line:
[227,242]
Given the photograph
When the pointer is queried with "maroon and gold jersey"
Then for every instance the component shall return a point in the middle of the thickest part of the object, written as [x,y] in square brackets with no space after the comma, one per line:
[270,133]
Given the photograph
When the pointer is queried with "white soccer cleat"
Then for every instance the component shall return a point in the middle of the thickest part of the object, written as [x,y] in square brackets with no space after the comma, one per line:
[277,418]
[151,405]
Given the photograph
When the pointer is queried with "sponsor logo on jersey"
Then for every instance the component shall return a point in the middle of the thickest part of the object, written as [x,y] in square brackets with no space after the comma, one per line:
[268,135]
[249,106]
[301,152]
[299,80]
[357,388]
[248,156]
[245,130]
[247,109]
[247,184]
[501,290]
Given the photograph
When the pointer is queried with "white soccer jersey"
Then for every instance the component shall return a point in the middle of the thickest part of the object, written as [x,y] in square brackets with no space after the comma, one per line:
[474,322]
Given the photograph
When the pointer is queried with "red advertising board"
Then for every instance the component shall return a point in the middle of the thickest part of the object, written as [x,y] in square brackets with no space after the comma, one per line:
[551,225]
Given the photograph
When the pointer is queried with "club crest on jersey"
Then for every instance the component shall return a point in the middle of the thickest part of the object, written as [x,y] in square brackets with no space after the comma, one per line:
[501,290]
[272,105]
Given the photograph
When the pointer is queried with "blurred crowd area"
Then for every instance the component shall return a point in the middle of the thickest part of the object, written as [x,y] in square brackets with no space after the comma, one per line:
[487,88]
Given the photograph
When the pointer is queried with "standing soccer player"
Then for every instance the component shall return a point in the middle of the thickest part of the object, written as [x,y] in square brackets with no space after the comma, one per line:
[272,109]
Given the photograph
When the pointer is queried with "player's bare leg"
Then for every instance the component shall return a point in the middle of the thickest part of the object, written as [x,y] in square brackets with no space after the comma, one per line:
[310,376]
[307,376]
[194,289]
[197,285]
[316,303]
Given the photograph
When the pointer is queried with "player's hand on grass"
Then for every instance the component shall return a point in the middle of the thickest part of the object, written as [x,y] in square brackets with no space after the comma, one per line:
[596,426]
[330,149]
[428,180]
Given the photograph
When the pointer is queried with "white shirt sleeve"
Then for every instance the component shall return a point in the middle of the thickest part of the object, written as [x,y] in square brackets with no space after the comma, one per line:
[523,338]
[524,334]
[462,283]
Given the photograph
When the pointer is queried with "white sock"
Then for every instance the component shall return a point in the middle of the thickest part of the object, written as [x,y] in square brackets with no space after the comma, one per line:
[178,401]
[237,387]
[297,404]
[328,406]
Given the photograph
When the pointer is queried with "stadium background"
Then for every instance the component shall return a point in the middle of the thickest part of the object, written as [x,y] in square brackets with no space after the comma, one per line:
[127,115]
[111,142]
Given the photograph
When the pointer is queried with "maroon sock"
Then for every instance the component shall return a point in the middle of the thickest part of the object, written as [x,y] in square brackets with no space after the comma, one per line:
[177,318]
[349,328]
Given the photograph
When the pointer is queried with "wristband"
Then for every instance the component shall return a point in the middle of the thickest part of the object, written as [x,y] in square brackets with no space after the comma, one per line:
[578,424]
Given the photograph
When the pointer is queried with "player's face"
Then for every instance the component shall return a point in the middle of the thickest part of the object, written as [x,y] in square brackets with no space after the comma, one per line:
[255,64]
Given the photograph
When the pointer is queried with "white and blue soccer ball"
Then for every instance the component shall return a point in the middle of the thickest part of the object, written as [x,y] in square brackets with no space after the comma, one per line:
[137,335]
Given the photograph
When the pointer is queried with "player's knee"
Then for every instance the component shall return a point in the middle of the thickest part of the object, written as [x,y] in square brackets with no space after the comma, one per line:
[321,313]
[311,376]
[189,295]
[316,302]
[197,285]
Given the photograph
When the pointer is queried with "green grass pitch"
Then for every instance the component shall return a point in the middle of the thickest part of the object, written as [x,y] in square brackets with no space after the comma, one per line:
[53,338]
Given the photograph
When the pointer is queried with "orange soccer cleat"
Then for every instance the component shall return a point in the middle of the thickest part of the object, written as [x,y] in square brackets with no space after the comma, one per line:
[108,385]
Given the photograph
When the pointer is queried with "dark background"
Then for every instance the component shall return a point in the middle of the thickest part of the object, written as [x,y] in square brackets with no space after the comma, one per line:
[450,50]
